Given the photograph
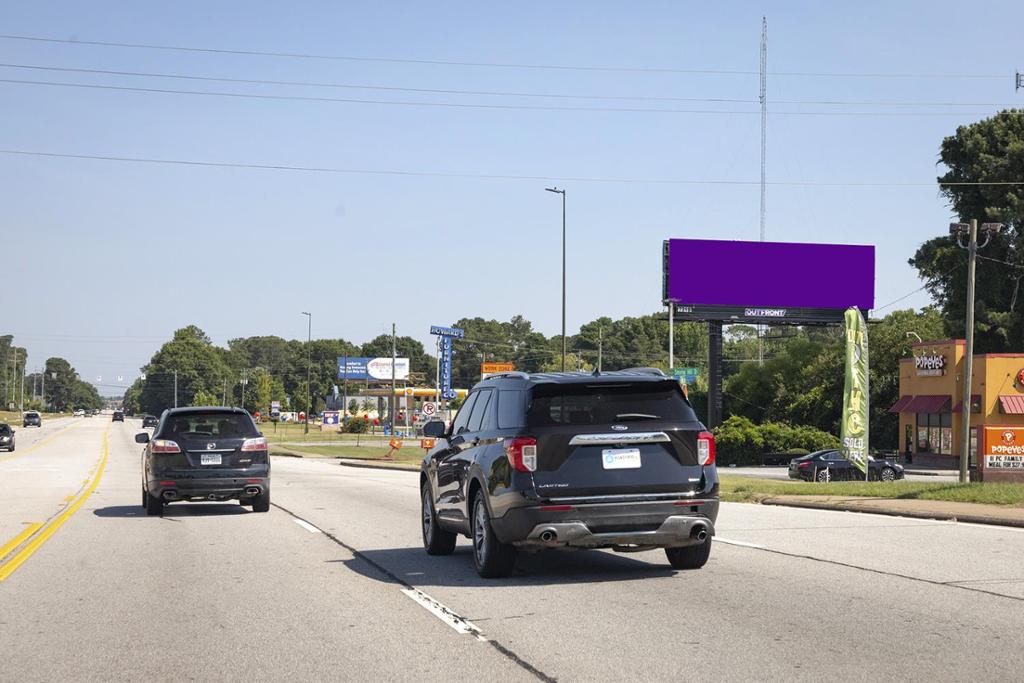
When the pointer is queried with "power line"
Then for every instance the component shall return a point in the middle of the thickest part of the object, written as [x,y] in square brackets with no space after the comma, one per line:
[502,65]
[467,105]
[487,176]
[909,294]
[494,93]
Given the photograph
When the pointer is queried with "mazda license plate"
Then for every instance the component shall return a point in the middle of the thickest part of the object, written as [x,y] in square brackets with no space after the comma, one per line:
[209,459]
[620,458]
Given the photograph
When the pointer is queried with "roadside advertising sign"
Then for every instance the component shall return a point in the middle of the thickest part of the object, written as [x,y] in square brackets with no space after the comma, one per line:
[854,427]
[444,369]
[379,369]
[332,417]
[1003,450]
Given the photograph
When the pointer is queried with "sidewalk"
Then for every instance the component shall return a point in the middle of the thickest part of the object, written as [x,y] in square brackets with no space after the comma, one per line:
[976,513]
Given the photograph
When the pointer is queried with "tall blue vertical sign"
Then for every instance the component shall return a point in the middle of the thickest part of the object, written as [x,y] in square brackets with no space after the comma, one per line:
[446,335]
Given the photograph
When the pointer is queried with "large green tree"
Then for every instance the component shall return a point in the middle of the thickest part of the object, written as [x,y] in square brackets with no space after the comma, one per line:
[985,162]
[198,365]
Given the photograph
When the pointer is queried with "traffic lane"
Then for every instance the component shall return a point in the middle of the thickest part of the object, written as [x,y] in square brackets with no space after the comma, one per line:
[37,482]
[979,557]
[747,614]
[782,473]
[214,591]
[27,437]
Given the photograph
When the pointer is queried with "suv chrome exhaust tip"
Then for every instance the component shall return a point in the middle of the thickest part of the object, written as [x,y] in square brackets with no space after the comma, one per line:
[169,494]
[700,532]
[548,535]
[252,491]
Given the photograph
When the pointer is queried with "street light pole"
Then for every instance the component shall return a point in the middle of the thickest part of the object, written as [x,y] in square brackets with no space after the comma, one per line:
[309,366]
[970,230]
[562,192]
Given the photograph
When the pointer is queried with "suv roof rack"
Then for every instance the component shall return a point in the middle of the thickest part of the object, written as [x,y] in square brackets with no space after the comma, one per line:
[512,373]
[646,371]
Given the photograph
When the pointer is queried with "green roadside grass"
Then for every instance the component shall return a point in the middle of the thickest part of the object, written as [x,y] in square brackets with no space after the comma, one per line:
[410,453]
[286,432]
[752,490]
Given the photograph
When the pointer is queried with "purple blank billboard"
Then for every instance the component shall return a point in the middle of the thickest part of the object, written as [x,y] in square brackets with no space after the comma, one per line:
[770,274]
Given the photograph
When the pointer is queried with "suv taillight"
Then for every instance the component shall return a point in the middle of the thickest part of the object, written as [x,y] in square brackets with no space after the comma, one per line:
[522,453]
[706,448]
[259,444]
[165,446]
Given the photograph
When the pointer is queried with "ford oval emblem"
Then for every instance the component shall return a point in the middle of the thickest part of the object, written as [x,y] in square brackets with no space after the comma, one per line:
[620,428]
[210,446]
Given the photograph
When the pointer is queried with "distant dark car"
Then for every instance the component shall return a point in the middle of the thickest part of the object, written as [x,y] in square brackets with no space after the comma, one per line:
[830,465]
[149,421]
[6,437]
[32,419]
[205,454]
[118,416]
[571,460]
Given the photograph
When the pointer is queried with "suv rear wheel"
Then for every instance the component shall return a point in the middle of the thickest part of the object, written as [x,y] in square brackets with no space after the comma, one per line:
[690,557]
[436,541]
[154,506]
[261,503]
[493,558]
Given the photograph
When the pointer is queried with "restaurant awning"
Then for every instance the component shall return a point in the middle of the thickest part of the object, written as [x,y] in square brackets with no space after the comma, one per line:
[1012,404]
[901,404]
[928,404]
[975,401]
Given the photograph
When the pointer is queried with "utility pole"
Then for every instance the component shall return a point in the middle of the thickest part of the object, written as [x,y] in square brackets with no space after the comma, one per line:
[970,230]
[225,395]
[394,384]
[764,144]
[175,388]
[562,192]
[42,399]
[23,362]
[600,346]
[309,368]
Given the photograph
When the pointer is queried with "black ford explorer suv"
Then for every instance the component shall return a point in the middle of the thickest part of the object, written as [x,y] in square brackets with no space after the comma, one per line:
[205,454]
[571,460]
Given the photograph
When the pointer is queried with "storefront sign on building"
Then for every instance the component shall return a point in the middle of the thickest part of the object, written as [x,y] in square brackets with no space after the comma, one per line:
[930,365]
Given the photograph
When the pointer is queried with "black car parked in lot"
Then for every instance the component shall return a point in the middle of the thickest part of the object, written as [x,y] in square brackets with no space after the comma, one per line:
[205,454]
[830,465]
[149,421]
[117,417]
[6,437]
[32,419]
[571,460]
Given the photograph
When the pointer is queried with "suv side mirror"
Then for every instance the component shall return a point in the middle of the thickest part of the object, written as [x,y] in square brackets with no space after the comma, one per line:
[142,438]
[434,429]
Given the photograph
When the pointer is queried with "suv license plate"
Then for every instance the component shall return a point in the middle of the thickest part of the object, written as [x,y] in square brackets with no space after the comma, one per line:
[620,458]
[209,459]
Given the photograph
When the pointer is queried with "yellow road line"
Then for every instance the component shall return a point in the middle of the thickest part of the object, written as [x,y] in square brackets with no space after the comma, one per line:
[38,444]
[20,538]
[7,568]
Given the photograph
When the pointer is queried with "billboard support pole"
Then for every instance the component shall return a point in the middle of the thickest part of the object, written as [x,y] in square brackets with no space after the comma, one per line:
[671,335]
[394,384]
[714,373]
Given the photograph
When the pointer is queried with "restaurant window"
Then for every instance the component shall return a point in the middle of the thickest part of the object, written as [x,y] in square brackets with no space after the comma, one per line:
[935,433]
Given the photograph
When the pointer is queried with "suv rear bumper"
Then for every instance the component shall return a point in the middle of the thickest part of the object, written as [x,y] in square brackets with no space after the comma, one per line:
[663,524]
[216,488]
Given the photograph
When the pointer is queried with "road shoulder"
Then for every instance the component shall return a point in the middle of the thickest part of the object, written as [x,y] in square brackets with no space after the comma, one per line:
[975,513]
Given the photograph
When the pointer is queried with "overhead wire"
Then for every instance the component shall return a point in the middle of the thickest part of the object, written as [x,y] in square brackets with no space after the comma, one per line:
[467,63]
[489,176]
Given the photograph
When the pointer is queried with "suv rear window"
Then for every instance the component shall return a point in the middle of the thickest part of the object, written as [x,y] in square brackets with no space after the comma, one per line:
[204,425]
[605,403]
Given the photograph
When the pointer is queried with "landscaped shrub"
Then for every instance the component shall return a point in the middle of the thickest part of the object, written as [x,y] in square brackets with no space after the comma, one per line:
[738,441]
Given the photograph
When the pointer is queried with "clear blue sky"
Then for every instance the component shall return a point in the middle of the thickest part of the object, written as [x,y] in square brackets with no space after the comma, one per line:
[108,258]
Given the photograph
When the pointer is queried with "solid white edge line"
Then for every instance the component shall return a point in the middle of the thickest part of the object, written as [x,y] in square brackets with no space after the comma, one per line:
[307,526]
[443,613]
[742,544]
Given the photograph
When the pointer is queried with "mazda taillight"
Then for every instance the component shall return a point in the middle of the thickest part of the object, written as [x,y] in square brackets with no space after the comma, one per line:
[522,453]
[259,444]
[706,448]
[165,446]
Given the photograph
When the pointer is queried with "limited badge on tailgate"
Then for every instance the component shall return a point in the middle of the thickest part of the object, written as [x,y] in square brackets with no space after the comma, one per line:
[620,458]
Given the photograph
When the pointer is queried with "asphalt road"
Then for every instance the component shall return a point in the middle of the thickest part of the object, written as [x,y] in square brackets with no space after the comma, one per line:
[332,584]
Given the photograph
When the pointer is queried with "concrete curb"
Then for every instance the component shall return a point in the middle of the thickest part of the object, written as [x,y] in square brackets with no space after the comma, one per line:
[895,512]
[348,462]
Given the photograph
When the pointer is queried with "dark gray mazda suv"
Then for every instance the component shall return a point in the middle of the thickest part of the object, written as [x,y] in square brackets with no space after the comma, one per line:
[205,454]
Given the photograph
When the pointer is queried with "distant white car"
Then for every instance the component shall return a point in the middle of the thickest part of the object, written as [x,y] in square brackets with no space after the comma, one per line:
[79,413]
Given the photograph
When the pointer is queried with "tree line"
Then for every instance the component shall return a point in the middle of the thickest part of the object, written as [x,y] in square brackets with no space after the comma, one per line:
[57,388]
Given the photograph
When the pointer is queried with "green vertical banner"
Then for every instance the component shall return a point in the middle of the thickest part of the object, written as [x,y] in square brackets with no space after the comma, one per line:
[854,429]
